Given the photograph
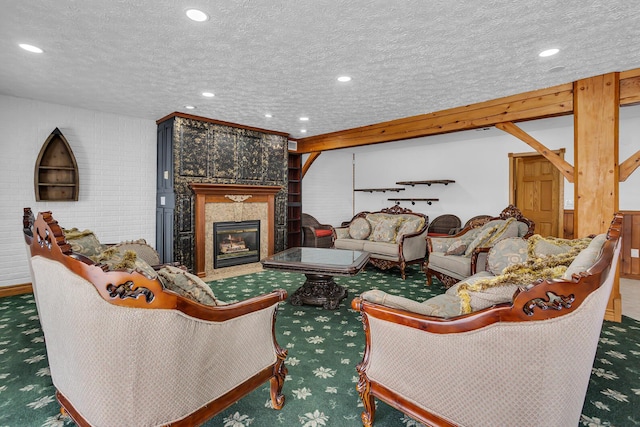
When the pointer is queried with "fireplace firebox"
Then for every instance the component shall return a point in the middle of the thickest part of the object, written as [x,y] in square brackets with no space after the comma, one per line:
[236,243]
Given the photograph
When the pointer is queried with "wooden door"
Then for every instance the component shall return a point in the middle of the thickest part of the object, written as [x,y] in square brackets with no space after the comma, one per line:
[538,192]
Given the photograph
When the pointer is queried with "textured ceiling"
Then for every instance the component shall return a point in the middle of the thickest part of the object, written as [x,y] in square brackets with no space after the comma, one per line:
[146,59]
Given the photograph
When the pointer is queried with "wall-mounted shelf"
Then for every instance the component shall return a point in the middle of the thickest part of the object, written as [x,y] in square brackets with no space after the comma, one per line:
[56,172]
[413,201]
[433,181]
[379,190]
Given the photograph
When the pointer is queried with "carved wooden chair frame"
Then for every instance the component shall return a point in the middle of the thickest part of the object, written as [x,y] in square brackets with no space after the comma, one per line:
[541,300]
[46,238]
[510,211]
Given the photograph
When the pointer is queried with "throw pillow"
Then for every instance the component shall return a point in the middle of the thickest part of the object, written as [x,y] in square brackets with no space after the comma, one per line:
[587,257]
[375,218]
[443,305]
[187,285]
[359,229]
[126,260]
[385,230]
[342,233]
[513,250]
[83,242]
[323,233]
[544,246]
[457,248]
[409,226]
[491,233]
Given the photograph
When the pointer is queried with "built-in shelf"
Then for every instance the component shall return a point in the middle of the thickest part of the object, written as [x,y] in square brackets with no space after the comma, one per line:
[429,182]
[56,172]
[379,190]
[294,201]
[413,201]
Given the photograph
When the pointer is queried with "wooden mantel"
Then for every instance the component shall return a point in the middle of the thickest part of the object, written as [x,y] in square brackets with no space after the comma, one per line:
[229,193]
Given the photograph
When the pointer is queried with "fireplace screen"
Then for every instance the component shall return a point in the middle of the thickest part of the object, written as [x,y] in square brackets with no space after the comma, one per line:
[236,243]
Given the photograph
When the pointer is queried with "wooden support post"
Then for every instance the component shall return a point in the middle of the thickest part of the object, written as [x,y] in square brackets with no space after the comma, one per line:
[596,113]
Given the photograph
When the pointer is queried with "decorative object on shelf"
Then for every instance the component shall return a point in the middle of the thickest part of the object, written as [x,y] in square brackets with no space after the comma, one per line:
[379,190]
[413,201]
[56,172]
[429,182]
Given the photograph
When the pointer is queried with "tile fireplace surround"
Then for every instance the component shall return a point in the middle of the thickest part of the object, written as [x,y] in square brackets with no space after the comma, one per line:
[230,202]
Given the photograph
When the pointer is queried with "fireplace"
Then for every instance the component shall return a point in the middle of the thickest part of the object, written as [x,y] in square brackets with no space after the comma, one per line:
[235,243]
[231,202]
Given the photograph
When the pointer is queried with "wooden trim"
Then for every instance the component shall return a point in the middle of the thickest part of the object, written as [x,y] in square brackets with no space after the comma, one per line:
[216,193]
[562,165]
[580,286]
[219,122]
[133,288]
[9,291]
[630,88]
[307,164]
[549,102]
[629,166]
[543,103]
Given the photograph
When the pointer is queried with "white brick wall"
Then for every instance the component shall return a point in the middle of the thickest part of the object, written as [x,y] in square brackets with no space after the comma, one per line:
[116,158]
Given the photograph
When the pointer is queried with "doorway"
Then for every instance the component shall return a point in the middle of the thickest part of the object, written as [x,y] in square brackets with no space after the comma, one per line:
[537,189]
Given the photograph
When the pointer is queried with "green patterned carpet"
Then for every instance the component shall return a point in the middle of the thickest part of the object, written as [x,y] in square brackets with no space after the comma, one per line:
[324,347]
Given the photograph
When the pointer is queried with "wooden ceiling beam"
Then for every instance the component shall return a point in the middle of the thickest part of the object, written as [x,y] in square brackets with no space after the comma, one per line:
[565,168]
[312,158]
[548,102]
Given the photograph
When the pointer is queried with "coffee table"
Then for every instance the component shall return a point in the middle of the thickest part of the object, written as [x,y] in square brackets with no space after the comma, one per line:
[320,265]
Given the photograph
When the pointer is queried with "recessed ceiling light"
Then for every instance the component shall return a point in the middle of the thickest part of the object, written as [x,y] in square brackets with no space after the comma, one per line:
[556,69]
[304,119]
[190,107]
[303,131]
[548,52]
[208,94]
[344,79]
[268,116]
[197,15]
[30,48]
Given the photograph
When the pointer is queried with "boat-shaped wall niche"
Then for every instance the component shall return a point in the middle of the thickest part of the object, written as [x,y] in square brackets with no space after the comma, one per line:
[56,173]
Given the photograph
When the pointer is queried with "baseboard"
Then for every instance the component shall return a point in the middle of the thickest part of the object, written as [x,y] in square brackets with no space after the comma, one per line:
[9,291]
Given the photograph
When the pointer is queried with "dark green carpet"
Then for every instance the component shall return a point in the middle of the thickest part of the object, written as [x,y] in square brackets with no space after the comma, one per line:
[324,347]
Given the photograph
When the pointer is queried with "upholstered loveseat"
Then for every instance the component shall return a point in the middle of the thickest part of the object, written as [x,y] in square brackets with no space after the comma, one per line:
[129,345]
[510,346]
[456,257]
[395,237]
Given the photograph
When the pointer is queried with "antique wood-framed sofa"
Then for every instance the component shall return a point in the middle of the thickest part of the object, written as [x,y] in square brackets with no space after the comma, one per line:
[395,237]
[524,362]
[124,350]
[456,257]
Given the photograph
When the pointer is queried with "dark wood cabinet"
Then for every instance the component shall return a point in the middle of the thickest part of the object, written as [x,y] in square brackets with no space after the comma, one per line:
[56,172]
[294,201]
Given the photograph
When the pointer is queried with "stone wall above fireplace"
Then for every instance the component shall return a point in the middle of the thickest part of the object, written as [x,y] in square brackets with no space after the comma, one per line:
[197,150]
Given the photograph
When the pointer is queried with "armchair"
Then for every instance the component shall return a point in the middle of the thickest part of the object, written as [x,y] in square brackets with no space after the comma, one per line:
[525,362]
[447,224]
[124,350]
[316,235]
[454,258]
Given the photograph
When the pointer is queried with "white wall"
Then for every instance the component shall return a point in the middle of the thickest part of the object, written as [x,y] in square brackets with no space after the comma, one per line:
[116,158]
[476,160]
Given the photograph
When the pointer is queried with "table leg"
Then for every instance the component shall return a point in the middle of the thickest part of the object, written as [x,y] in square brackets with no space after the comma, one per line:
[321,290]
